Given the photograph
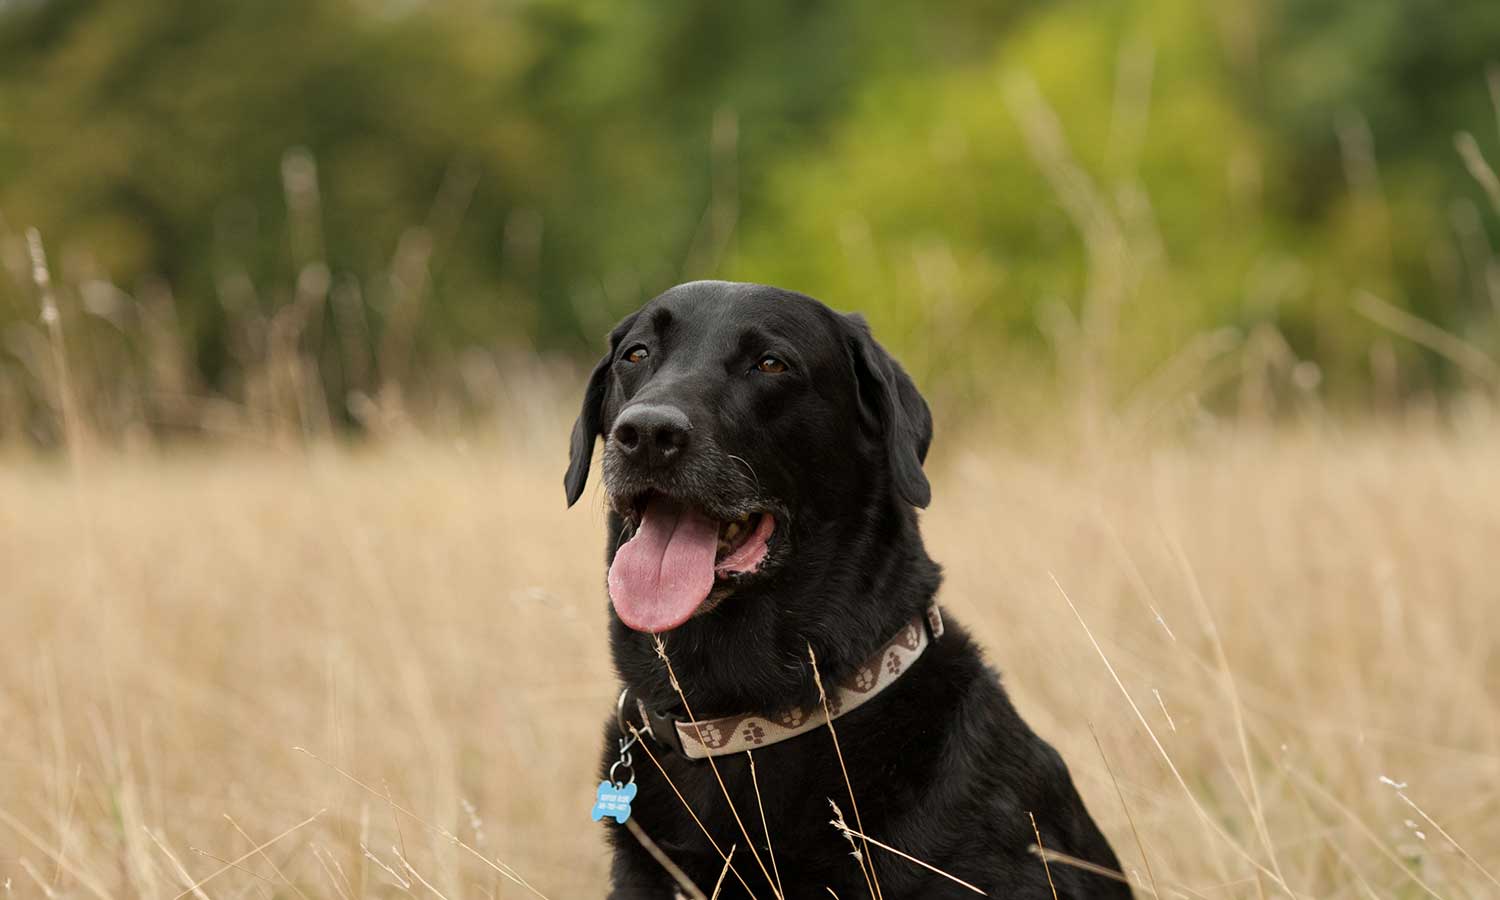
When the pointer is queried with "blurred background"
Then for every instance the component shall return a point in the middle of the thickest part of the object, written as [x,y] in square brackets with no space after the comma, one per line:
[296,298]
[293,215]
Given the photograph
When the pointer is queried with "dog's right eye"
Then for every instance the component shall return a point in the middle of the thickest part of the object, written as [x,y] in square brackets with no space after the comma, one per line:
[637,354]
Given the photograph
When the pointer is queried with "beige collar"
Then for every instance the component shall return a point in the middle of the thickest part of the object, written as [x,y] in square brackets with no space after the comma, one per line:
[735,734]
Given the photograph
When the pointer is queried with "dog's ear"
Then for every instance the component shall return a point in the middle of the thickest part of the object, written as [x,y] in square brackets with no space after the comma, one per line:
[891,401]
[590,424]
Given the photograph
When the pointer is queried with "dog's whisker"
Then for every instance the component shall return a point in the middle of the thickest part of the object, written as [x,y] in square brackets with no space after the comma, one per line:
[749,468]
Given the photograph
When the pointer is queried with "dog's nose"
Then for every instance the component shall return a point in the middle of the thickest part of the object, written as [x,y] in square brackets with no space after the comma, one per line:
[652,435]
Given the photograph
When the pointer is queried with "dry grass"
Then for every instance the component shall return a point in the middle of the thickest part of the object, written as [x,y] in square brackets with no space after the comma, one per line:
[1294,617]
[1270,658]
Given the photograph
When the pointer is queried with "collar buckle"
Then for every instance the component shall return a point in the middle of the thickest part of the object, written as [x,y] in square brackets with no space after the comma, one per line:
[662,728]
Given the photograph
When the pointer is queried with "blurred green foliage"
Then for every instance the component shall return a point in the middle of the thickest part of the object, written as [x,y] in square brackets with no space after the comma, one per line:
[997,185]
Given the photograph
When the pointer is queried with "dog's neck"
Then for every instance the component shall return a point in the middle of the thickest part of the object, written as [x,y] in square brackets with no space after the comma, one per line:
[750,653]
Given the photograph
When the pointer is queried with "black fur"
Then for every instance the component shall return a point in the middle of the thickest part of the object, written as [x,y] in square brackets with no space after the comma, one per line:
[940,763]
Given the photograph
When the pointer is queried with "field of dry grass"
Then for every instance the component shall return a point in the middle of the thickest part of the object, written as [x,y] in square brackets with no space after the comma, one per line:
[1303,627]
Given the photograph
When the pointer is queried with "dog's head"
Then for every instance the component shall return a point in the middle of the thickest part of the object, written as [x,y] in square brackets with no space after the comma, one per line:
[758,447]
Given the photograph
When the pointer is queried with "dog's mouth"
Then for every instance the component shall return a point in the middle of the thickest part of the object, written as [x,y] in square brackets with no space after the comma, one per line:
[678,555]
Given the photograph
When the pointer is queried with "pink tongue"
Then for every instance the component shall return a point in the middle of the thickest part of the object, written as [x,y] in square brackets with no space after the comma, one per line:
[661,576]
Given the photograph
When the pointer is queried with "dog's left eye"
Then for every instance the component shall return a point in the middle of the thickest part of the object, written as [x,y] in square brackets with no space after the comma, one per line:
[770,365]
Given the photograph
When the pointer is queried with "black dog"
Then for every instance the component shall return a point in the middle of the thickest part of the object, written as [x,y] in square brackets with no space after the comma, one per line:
[763,464]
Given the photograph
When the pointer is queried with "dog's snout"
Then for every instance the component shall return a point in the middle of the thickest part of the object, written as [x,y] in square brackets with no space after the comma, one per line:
[652,435]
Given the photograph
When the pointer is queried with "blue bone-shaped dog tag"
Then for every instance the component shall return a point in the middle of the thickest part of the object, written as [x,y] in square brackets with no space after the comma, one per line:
[613,801]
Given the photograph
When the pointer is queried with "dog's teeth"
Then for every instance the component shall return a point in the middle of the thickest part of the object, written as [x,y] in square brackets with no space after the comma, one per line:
[731,531]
